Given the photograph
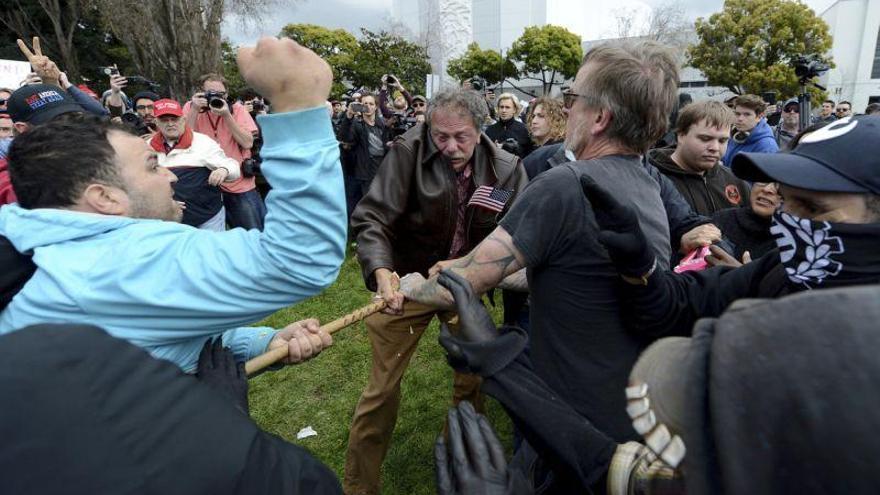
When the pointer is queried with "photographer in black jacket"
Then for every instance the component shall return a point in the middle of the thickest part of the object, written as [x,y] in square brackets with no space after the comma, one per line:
[363,127]
[508,133]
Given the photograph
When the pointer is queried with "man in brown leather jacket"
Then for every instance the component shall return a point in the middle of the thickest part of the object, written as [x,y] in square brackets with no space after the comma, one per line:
[435,197]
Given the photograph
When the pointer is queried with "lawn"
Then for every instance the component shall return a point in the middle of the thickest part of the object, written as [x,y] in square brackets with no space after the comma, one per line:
[322,393]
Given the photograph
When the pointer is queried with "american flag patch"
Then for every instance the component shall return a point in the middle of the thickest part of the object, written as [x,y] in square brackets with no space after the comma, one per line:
[490,198]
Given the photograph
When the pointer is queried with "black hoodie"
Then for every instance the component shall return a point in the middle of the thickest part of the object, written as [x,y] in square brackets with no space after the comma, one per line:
[17,270]
[715,190]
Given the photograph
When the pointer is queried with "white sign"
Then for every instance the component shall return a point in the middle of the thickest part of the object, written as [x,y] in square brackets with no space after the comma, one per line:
[13,72]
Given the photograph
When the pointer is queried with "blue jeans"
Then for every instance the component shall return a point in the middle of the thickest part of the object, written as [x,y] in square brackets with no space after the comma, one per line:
[245,210]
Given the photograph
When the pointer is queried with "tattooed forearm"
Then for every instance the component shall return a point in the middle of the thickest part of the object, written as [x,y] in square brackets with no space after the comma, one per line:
[517,282]
[484,267]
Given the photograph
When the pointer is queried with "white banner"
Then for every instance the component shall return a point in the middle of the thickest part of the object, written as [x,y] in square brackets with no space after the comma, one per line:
[12,73]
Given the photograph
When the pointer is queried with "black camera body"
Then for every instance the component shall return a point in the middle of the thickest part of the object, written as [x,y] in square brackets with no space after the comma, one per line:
[402,123]
[109,71]
[215,99]
[258,106]
[136,123]
[511,146]
[250,167]
[809,66]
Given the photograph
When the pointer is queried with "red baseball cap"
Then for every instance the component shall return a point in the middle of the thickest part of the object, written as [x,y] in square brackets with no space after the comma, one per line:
[167,106]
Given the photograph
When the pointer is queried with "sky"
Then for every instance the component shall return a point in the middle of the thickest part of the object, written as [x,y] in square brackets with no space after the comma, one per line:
[375,14]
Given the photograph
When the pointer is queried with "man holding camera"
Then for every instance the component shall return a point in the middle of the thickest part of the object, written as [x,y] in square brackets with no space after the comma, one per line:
[210,113]
[199,164]
[369,137]
[509,133]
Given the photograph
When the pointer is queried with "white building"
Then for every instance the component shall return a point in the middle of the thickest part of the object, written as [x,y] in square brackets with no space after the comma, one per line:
[855,28]
[498,23]
[493,24]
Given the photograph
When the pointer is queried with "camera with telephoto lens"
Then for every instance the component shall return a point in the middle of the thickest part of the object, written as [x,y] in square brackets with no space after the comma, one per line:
[215,99]
[135,123]
[511,146]
[250,167]
[401,123]
[809,66]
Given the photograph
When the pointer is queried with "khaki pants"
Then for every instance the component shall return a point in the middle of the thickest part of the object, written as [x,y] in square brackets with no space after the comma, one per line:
[393,339]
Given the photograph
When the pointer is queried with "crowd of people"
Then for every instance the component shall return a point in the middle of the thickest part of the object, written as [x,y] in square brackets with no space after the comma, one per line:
[690,293]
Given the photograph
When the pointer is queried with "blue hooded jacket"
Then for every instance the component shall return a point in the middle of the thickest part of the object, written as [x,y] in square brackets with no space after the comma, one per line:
[760,140]
[167,287]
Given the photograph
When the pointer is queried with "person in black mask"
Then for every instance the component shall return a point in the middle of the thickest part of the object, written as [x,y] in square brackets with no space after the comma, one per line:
[826,232]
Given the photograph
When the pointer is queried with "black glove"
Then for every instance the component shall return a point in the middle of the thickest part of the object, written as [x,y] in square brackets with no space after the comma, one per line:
[474,461]
[217,369]
[475,322]
[619,231]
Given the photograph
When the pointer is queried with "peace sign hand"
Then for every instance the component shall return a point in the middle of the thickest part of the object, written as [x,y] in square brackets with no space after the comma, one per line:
[43,65]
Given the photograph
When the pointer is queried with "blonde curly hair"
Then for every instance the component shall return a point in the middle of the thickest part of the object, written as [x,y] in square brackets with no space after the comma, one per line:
[553,113]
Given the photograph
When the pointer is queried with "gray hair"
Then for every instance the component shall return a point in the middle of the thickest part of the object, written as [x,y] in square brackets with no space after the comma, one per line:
[463,101]
[638,84]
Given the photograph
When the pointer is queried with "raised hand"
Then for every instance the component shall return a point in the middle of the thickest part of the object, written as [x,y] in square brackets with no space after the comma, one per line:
[43,66]
[289,75]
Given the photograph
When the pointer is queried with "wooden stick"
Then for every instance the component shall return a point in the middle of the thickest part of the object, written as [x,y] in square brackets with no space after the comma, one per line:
[277,354]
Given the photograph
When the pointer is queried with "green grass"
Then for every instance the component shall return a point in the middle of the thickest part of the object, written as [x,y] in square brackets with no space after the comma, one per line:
[323,392]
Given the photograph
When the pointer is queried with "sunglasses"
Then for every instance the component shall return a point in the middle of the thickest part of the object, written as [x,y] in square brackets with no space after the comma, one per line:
[791,110]
[418,104]
[569,97]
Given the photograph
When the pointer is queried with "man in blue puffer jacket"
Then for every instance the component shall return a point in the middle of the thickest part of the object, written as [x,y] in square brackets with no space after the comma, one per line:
[96,211]
[752,133]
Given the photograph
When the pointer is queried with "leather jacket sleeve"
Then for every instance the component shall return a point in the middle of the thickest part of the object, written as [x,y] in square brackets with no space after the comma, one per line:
[373,219]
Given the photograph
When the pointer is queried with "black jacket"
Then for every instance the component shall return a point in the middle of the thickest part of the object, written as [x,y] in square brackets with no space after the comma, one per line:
[501,130]
[746,230]
[566,442]
[87,413]
[406,220]
[16,270]
[357,132]
[672,302]
[715,190]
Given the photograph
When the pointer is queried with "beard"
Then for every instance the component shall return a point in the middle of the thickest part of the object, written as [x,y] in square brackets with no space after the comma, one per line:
[154,207]
[577,137]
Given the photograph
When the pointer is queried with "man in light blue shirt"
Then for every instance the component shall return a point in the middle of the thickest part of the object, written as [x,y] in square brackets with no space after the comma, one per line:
[96,210]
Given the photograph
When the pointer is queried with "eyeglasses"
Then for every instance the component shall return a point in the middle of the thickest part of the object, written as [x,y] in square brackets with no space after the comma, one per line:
[144,107]
[569,97]
[791,110]
[841,110]
[418,104]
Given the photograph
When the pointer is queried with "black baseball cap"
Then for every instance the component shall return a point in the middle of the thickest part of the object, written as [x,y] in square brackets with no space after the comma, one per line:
[40,103]
[840,157]
[145,94]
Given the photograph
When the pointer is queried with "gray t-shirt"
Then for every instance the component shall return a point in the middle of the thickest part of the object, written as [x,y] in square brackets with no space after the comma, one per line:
[579,345]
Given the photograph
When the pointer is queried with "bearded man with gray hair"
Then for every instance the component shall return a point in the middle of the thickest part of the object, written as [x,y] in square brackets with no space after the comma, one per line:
[579,345]
[436,196]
